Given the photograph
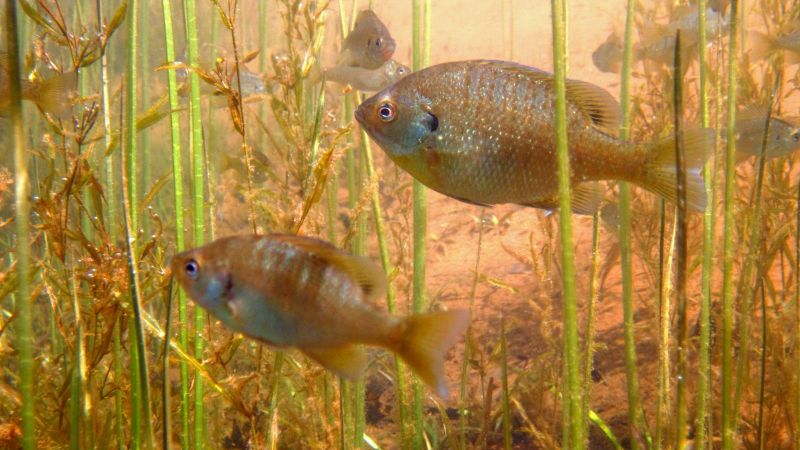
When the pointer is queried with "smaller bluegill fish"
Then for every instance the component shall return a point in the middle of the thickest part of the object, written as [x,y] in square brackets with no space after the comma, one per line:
[51,95]
[368,80]
[608,55]
[300,292]
[784,137]
[658,42]
[763,45]
[369,44]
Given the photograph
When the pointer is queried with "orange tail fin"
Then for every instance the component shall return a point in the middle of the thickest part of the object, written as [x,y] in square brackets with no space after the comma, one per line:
[425,342]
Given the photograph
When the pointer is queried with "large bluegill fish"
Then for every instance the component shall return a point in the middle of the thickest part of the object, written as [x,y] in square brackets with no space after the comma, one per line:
[483,132]
[300,292]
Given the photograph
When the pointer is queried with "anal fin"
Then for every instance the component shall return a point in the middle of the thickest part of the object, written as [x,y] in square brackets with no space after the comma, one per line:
[347,361]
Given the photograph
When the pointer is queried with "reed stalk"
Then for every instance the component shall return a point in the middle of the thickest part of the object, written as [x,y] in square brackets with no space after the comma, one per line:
[728,383]
[166,411]
[463,411]
[594,293]
[797,314]
[140,378]
[750,287]
[144,76]
[391,305]
[177,180]
[704,351]
[198,186]
[420,227]
[507,443]
[665,289]
[24,325]
[111,209]
[130,115]
[77,392]
[631,372]
[681,245]
[574,434]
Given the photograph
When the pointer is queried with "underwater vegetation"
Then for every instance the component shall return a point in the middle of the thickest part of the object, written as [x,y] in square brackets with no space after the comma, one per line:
[217,229]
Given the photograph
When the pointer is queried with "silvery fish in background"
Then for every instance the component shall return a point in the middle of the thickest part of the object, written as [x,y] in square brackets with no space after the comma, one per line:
[784,137]
[482,132]
[300,292]
[763,45]
[368,80]
[369,44]
[608,55]
[51,95]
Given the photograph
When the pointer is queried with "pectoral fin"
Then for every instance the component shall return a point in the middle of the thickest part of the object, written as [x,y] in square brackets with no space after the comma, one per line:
[347,361]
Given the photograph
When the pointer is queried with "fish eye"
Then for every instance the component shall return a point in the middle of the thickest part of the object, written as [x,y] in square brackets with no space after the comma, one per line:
[401,70]
[386,112]
[796,136]
[378,42]
[191,268]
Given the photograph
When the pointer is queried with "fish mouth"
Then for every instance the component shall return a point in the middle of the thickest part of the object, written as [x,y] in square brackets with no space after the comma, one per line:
[361,115]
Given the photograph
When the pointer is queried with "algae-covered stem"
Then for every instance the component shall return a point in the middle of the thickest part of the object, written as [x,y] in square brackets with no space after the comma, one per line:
[631,373]
[140,378]
[574,435]
[680,243]
[196,139]
[23,208]
[701,402]
[177,179]
[728,406]
[420,212]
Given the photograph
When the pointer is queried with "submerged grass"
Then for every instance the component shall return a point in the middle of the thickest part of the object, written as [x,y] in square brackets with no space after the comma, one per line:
[25,336]
[575,436]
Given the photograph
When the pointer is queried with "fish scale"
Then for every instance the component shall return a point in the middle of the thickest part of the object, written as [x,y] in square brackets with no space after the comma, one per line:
[483,132]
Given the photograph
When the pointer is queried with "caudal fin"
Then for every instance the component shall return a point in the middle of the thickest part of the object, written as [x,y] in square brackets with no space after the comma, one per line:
[53,95]
[761,45]
[661,175]
[425,342]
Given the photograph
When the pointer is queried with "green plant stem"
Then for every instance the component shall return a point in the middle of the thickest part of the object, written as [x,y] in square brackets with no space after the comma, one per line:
[420,227]
[507,443]
[631,373]
[728,412]
[383,248]
[594,292]
[140,378]
[574,435]
[166,437]
[24,325]
[681,245]
[77,392]
[177,179]
[704,356]
[130,115]
[198,187]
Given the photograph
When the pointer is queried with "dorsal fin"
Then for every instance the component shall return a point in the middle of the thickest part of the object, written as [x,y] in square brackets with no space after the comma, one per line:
[369,277]
[595,102]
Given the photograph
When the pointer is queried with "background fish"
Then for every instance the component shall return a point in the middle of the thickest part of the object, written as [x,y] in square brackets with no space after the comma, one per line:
[369,45]
[608,55]
[368,80]
[51,95]
[292,291]
[784,137]
[482,132]
[763,45]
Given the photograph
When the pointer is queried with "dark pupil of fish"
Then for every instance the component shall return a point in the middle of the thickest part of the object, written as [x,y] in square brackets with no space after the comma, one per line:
[378,42]
[434,122]
[386,113]
[796,137]
[191,268]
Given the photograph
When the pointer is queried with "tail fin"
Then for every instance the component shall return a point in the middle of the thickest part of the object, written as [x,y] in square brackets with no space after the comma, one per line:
[661,175]
[425,342]
[761,45]
[53,95]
